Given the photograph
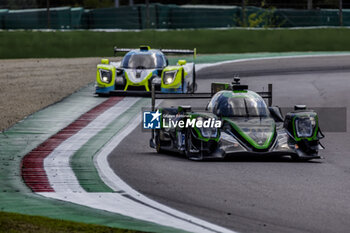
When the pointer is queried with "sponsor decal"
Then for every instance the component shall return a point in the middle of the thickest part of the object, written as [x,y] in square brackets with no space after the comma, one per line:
[155,120]
[198,122]
[151,120]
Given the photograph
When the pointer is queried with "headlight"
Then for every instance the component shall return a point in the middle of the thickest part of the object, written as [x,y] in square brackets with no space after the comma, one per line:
[105,76]
[304,126]
[169,76]
[207,132]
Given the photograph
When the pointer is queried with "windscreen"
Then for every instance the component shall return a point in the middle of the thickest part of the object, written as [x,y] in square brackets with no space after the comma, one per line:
[143,61]
[238,106]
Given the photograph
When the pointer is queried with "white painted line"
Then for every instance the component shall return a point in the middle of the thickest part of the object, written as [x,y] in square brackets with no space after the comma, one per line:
[206,65]
[57,164]
[184,221]
[101,162]
[129,202]
[117,203]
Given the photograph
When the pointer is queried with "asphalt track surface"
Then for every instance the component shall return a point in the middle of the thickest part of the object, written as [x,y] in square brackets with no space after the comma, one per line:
[255,194]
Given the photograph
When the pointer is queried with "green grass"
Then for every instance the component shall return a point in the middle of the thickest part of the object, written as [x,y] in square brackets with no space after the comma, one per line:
[13,223]
[29,44]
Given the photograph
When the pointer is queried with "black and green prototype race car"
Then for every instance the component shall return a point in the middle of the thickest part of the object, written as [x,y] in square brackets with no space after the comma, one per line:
[237,121]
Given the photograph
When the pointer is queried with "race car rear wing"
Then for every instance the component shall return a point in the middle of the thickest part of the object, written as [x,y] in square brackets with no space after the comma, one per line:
[162,95]
[168,51]
[180,51]
[124,50]
[215,87]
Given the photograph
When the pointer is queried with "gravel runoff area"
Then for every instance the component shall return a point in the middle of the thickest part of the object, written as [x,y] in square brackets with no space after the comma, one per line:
[28,85]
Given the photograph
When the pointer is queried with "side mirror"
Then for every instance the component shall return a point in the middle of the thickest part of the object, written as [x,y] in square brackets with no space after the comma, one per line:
[105,61]
[181,62]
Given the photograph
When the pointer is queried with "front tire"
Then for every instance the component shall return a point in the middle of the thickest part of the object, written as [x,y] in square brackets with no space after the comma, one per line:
[158,144]
[120,85]
[188,147]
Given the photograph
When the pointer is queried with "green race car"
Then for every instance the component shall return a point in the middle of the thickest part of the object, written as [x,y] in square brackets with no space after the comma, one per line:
[237,121]
[141,68]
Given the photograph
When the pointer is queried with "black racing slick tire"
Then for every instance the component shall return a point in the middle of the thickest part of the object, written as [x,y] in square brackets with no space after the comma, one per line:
[158,144]
[188,147]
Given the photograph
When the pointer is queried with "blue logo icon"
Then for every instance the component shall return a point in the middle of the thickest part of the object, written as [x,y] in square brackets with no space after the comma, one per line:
[151,120]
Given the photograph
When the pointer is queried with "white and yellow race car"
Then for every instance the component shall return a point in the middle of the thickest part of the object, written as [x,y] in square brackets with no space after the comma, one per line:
[141,68]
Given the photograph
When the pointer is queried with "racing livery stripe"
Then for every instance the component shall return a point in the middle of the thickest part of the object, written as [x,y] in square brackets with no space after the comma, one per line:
[32,166]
